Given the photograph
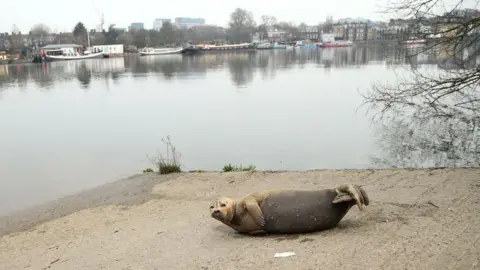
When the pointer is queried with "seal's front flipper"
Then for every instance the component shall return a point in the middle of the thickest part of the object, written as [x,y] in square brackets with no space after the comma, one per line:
[255,212]
[342,197]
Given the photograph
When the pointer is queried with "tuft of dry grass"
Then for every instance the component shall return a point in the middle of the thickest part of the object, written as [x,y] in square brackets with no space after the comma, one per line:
[169,163]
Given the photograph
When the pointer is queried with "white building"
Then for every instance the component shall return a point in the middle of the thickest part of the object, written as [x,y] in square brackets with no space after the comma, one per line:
[99,28]
[328,37]
[158,23]
[185,22]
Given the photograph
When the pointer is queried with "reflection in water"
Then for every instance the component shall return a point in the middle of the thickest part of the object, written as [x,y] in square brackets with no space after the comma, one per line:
[241,70]
[165,64]
[242,65]
[439,127]
[84,75]
[431,143]
[45,75]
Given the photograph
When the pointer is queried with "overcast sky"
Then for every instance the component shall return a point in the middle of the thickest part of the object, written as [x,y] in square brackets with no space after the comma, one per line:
[61,15]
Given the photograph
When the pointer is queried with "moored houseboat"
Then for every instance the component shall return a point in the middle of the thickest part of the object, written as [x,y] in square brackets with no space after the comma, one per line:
[339,43]
[205,48]
[328,40]
[161,51]
[68,52]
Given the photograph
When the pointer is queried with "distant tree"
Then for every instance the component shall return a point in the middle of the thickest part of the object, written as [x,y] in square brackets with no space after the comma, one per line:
[167,33]
[302,26]
[153,37]
[289,28]
[126,39]
[111,36]
[80,33]
[267,23]
[37,33]
[179,35]
[141,38]
[39,30]
[241,25]
[98,38]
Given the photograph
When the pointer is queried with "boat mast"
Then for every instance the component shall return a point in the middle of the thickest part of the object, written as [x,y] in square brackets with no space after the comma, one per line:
[88,38]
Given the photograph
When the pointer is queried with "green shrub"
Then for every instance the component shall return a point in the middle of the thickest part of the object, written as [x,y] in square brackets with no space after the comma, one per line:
[238,168]
[148,170]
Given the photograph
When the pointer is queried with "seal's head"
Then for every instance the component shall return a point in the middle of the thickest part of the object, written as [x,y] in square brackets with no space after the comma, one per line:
[223,209]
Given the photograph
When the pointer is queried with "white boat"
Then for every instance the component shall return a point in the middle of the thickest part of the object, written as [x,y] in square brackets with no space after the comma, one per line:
[74,56]
[276,45]
[159,51]
[332,44]
[414,42]
[264,46]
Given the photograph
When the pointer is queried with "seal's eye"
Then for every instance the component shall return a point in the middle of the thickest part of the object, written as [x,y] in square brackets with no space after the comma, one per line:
[223,205]
[211,206]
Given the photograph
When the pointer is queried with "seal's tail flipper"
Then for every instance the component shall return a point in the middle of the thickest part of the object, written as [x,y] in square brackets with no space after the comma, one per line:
[348,192]
[342,197]
[366,200]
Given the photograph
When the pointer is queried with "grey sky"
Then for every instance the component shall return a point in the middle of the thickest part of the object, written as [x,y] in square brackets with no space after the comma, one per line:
[62,16]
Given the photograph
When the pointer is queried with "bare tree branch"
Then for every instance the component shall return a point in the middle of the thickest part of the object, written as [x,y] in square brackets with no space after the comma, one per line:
[432,114]
[453,40]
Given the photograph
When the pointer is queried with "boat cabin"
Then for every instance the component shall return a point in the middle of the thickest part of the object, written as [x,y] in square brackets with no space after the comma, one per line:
[113,49]
[62,49]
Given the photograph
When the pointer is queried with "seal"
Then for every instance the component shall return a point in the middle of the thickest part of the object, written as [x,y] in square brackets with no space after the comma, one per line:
[288,210]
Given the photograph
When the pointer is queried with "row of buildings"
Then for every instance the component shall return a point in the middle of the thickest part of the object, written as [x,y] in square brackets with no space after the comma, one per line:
[362,30]
[17,41]
[180,22]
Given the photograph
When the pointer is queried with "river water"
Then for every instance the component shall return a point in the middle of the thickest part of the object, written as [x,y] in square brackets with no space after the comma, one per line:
[68,126]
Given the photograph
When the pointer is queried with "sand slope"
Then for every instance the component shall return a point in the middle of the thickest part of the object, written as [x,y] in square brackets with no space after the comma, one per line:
[418,219]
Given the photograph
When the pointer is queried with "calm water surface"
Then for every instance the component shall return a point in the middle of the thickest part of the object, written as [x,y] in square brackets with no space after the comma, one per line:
[68,126]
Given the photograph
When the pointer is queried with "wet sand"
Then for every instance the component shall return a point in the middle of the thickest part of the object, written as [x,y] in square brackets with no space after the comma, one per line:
[417,219]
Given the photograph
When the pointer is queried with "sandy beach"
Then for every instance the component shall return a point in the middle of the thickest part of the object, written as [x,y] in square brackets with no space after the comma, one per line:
[417,219]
